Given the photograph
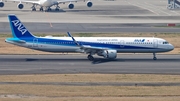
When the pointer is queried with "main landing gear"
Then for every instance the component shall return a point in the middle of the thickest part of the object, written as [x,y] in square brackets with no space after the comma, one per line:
[90,57]
[57,8]
[48,9]
[154,56]
[41,9]
[33,8]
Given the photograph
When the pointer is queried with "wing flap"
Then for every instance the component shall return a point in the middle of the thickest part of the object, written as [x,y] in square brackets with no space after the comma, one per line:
[95,48]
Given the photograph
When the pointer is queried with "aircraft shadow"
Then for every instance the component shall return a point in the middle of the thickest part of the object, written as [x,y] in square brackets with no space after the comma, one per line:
[96,61]
[52,11]
[74,10]
[99,61]
[61,10]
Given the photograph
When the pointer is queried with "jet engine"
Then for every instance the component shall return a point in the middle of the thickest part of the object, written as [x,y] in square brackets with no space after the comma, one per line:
[1,4]
[20,6]
[71,6]
[89,4]
[109,54]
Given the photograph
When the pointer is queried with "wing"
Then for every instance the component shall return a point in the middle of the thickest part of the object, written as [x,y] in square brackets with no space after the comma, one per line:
[26,1]
[90,49]
[86,48]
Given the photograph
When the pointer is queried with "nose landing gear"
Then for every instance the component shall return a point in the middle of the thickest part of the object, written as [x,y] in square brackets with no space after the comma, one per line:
[154,56]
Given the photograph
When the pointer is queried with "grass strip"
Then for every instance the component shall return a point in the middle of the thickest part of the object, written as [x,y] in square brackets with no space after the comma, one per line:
[89,91]
[90,78]
[93,99]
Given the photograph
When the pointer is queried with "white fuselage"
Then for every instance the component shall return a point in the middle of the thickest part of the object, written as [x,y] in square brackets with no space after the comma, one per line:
[121,44]
[48,3]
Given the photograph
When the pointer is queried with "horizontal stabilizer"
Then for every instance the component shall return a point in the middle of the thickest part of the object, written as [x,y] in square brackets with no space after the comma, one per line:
[16,40]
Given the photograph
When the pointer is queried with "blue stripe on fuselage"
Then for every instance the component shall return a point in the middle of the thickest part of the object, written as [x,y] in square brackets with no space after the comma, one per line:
[92,44]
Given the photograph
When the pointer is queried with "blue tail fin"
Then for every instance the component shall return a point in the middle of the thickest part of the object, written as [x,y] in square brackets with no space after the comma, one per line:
[17,28]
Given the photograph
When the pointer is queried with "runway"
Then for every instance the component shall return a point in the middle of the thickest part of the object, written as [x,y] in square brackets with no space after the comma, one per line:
[94,83]
[104,16]
[66,64]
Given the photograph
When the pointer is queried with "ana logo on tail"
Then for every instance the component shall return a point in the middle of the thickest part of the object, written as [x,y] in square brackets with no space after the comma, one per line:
[19,26]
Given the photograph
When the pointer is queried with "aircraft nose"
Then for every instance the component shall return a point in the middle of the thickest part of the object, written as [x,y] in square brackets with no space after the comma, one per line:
[171,47]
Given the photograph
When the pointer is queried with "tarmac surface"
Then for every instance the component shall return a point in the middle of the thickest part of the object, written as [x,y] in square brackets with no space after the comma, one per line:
[91,28]
[95,83]
[104,16]
[67,64]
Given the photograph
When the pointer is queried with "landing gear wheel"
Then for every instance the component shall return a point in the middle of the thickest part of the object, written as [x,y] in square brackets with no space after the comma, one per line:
[48,9]
[41,9]
[154,56]
[57,9]
[34,9]
[90,57]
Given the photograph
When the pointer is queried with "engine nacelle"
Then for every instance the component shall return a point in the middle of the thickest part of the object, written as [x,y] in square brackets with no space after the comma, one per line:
[20,6]
[71,6]
[109,54]
[1,4]
[89,4]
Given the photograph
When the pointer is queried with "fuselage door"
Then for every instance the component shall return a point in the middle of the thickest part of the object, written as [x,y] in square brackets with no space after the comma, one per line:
[155,43]
[35,42]
[122,43]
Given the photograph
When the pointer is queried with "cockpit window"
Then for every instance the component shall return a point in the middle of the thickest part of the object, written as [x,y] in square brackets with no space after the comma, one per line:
[165,42]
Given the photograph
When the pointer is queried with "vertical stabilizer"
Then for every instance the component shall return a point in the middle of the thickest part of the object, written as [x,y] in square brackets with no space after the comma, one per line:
[17,28]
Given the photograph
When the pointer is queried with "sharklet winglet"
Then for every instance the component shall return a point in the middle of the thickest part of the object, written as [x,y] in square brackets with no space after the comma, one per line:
[73,39]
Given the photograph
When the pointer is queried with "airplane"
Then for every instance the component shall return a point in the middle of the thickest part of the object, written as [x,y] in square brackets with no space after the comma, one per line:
[107,47]
[46,4]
